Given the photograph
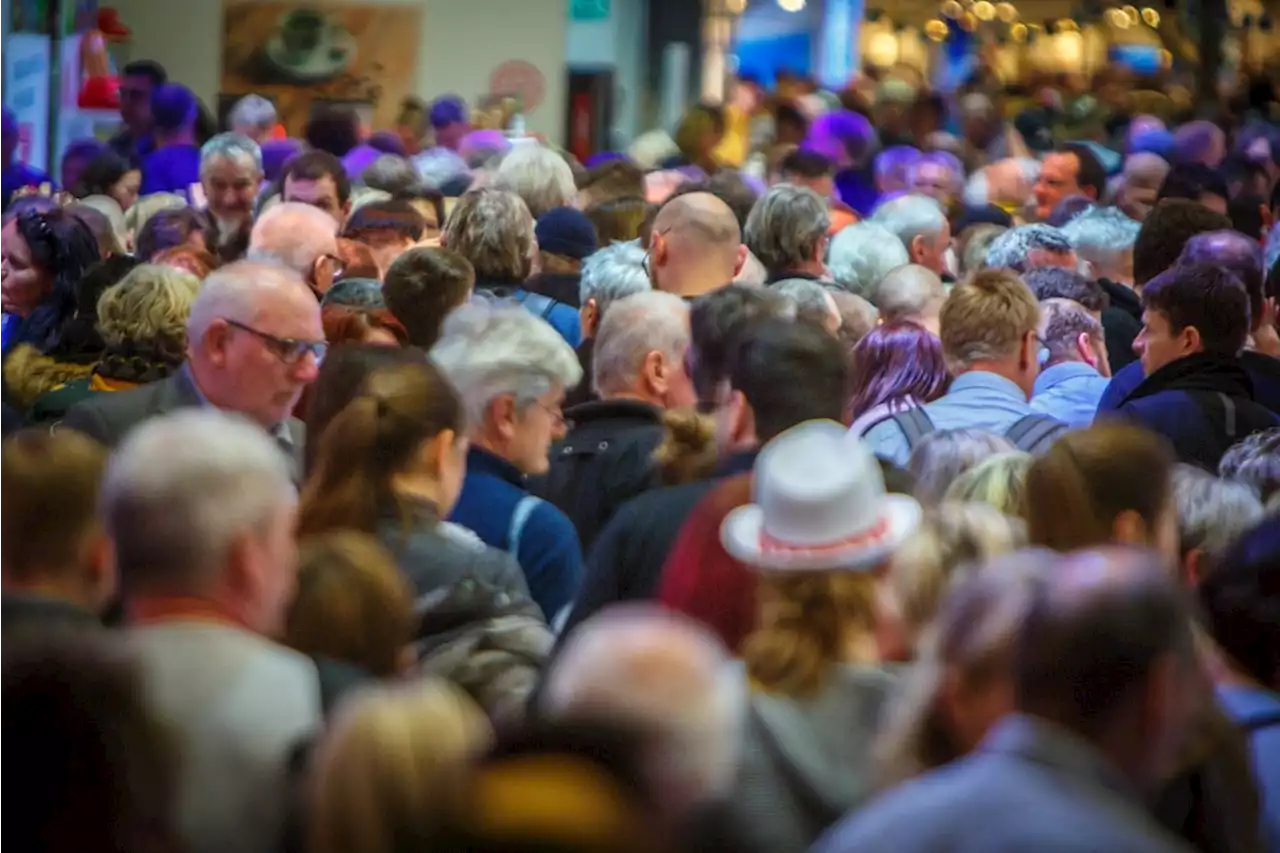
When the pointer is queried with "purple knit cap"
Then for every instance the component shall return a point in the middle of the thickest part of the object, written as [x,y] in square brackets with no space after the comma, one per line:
[276,154]
[388,143]
[840,134]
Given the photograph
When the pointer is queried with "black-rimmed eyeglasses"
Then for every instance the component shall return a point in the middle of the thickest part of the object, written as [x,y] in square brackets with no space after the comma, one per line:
[288,350]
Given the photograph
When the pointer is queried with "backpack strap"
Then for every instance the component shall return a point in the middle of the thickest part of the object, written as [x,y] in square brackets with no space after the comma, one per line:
[1033,433]
[519,518]
[538,303]
[915,425]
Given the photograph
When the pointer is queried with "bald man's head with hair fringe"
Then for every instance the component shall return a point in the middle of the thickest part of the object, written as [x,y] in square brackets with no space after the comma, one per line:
[695,246]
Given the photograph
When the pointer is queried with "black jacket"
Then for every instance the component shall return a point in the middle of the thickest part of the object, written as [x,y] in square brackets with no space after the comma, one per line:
[583,393]
[1121,322]
[625,564]
[23,611]
[1202,403]
[562,287]
[604,461]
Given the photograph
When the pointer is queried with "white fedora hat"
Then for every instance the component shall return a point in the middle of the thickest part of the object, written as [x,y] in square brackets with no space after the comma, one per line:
[820,505]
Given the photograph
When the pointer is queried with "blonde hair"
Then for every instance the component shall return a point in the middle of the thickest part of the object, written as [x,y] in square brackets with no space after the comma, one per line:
[352,604]
[148,206]
[149,305]
[986,317]
[971,639]
[390,755]
[808,622]
[999,480]
[951,542]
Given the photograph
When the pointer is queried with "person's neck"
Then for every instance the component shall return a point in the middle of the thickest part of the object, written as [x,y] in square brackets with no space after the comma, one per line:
[417,488]
[147,608]
[53,585]
[180,137]
[635,395]
[694,280]
[813,268]
[1006,370]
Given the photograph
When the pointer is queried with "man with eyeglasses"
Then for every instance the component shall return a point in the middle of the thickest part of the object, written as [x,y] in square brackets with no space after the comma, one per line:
[254,342]
[302,238]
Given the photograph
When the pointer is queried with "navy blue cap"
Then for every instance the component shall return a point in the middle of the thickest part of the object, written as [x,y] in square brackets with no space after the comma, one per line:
[447,110]
[173,107]
[566,231]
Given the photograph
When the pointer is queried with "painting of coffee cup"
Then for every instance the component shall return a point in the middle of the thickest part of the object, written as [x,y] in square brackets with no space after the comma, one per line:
[302,31]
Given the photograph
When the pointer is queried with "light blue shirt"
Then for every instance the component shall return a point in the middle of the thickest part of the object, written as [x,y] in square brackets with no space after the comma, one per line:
[977,400]
[1070,392]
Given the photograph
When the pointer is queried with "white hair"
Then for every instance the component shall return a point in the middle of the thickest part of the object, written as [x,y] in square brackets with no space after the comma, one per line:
[294,235]
[233,293]
[650,149]
[977,190]
[253,111]
[232,146]
[360,196]
[862,254]
[635,327]
[1012,249]
[488,350]
[612,273]
[806,295]
[538,175]
[910,216]
[666,673]
[786,227]
[908,292]
[1102,236]
[1212,512]
[182,488]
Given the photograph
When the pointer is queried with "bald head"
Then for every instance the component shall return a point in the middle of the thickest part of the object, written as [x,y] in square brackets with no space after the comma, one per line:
[668,675]
[910,292]
[294,235]
[1101,628]
[696,245]
[699,216]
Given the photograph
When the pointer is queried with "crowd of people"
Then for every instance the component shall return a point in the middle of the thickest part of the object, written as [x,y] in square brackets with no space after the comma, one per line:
[898,480]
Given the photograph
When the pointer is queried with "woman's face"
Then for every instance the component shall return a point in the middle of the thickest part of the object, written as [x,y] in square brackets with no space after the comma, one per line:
[22,284]
[125,190]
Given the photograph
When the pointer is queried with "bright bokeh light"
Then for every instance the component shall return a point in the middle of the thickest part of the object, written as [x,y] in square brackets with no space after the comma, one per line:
[1007,12]
[984,10]
[791,5]
[936,29]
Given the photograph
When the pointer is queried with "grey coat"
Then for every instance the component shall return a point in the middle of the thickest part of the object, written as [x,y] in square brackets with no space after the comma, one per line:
[109,417]
[806,762]
[1029,786]
[477,624]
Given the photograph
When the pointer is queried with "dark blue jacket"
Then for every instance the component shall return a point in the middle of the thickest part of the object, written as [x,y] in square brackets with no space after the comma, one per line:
[1263,370]
[1203,404]
[545,545]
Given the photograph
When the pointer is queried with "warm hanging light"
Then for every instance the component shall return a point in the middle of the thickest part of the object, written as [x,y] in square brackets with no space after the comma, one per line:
[1018,32]
[1150,17]
[1007,12]
[791,5]
[984,10]
[952,9]
[1131,12]
[935,29]
[1067,25]
[969,22]
[1118,19]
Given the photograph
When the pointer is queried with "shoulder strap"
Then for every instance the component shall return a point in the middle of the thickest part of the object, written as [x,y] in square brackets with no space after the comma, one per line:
[1032,433]
[1262,721]
[1218,408]
[538,303]
[519,518]
[915,425]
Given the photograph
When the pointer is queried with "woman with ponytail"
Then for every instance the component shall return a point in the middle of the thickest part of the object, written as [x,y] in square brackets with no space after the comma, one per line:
[391,464]
[820,536]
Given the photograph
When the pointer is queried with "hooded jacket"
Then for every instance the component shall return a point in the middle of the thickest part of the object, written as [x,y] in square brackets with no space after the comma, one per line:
[806,762]
[1202,403]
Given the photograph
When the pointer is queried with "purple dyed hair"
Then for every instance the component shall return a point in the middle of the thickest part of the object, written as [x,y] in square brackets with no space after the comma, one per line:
[896,361]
